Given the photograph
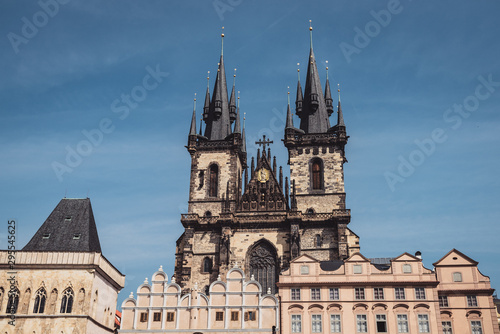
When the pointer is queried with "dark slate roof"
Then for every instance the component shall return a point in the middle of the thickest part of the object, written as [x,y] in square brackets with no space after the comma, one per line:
[331,265]
[381,263]
[69,228]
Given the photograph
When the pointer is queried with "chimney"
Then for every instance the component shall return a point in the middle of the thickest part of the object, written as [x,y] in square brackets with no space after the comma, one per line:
[418,254]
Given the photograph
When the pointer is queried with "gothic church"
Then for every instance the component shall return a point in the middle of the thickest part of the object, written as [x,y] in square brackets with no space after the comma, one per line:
[246,214]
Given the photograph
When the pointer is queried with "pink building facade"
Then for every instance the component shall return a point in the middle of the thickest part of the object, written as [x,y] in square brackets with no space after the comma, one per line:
[397,295]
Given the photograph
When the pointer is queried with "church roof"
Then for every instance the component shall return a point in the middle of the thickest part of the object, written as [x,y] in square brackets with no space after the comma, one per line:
[69,228]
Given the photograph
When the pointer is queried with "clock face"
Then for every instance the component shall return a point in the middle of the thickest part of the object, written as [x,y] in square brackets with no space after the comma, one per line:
[263,175]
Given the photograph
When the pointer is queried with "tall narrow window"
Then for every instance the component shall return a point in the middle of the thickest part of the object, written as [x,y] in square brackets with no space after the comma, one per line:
[361,323]
[446,327]
[41,297]
[317,175]
[296,323]
[423,323]
[402,323]
[13,301]
[476,327]
[207,265]
[316,325]
[317,240]
[335,323]
[381,323]
[67,301]
[214,180]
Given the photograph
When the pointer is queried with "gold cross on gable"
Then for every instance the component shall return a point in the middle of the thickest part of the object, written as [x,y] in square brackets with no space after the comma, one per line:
[264,142]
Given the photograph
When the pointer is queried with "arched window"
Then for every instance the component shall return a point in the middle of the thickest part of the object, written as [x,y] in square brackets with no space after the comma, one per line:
[13,301]
[317,240]
[317,174]
[214,181]
[67,301]
[40,298]
[263,265]
[207,265]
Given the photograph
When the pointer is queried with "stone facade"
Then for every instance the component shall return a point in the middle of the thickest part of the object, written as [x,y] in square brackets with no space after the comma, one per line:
[398,295]
[91,281]
[234,304]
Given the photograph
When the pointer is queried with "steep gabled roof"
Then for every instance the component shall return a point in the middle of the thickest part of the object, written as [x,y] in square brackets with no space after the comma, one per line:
[69,228]
[405,256]
[468,260]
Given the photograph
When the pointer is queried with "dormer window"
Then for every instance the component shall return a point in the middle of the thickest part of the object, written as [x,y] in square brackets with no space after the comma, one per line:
[46,236]
[67,219]
[76,236]
[407,268]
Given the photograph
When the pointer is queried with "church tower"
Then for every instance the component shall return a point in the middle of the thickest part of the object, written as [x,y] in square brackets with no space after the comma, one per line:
[316,152]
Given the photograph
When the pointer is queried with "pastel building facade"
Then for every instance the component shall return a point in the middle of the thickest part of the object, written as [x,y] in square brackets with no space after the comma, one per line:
[398,295]
[234,304]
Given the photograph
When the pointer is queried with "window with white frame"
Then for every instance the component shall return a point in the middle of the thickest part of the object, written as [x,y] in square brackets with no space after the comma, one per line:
[315,294]
[446,327]
[334,294]
[296,323]
[361,323]
[316,326]
[381,321]
[457,277]
[359,293]
[419,293]
[399,293]
[295,294]
[402,323]
[476,327]
[423,323]
[443,301]
[471,301]
[378,293]
[356,269]
[335,323]
[407,268]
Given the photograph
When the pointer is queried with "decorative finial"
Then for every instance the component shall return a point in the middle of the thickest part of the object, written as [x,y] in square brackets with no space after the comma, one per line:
[234,77]
[238,99]
[161,268]
[194,107]
[208,79]
[222,42]
[146,280]
[173,279]
[326,70]
[252,277]
[311,33]
[338,90]
[131,295]
[268,291]
[288,87]
[298,71]
[218,277]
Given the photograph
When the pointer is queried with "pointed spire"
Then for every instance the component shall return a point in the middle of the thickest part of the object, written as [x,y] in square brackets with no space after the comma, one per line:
[246,178]
[328,94]
[299,98]
[274,165]
[201,123]
[252,168]
[286,190]
[206,107]
[237,126]
[232,102]
[192,131]
[243,138]
[340,120]
[281,177]
[289,118]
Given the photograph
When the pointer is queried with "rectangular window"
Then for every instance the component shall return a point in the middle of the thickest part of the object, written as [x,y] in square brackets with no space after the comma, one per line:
[423,323]
[356,269]
[144,316]
[234,315]
[399,293]
[446,327]
[361,323]
[157,316]
[304,270]
[476,327]
[295,294]
[443,301]
[46,236]
[334,294]
[335,324]
[250,316]
[471,301]
[316,323]
[67,219]
[359,293]
[419,293]
[457,277]
[378,293]
[76,236]
[381,323]
[315,294]
[296,323]
[407,268]
[219,316]
[402,323]
[170,316]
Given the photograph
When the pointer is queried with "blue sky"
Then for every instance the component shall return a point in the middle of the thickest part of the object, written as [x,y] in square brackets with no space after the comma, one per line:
[420,96]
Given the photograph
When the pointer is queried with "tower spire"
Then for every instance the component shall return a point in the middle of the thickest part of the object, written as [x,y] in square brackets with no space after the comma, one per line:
[237,127]
[299,98]
[289,118]
[243,139]
[340,121]
[192,131]
[232,102]
[328,94]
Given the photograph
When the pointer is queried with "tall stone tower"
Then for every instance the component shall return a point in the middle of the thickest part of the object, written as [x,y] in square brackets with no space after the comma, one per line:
[245,216]
[316,153]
